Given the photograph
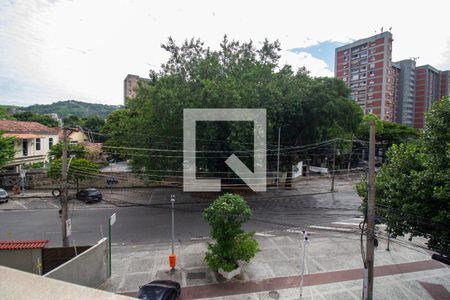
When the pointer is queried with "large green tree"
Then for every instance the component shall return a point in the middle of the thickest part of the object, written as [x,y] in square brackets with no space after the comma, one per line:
[387,133]
[413,187]
[79,167]
[6,149]
[32,117]
[238,75]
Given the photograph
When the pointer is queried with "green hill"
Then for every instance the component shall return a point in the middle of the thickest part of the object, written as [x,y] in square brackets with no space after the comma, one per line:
[71,107]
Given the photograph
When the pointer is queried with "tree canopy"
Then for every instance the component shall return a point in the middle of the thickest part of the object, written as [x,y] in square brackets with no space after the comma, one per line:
[32,117]
[413,187]
[7,150]
[238,75]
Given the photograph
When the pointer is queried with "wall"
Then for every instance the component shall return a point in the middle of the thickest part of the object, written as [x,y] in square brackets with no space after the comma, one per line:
[15,284]
[25,260]
[87,269]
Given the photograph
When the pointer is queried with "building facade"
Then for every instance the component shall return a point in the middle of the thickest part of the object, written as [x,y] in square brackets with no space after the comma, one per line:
[445,84]
[366,67]
[405,98]
[32,142]
[427,91]
[130,85]
[393,91]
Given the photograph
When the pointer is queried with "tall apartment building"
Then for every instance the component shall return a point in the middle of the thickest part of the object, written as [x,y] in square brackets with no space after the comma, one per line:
[445,84]
[427,91]
[129,87]
[366,67]
[405,98]
[394,91]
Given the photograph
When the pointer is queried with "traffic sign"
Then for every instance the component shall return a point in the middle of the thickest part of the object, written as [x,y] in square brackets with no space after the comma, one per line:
[112,219]
[68,227]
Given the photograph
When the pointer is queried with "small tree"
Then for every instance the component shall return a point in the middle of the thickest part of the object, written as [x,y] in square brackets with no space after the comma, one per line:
[6,149]
[79,169]
[77,150]
[226,216]
[413,187]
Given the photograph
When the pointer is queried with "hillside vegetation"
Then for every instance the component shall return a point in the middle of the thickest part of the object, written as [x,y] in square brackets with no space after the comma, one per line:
[70,107]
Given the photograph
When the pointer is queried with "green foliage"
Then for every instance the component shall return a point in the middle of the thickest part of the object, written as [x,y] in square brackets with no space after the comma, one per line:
[76,150]
[387,133]
[32,117]
[36,165]
[238,75]
[72,107]
[72,120]
[79,169]
[94,124]
[7,150]
[4,115]
[413,187]
[226,215]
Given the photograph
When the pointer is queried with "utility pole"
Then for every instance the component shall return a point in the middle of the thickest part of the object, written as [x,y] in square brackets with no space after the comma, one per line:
[64,190]
[305,242]
[350,158]
[334,165]
[278,157]
[370,238]
[173,257]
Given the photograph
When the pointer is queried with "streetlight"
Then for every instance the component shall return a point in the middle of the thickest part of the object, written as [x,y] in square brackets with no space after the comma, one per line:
[173,257]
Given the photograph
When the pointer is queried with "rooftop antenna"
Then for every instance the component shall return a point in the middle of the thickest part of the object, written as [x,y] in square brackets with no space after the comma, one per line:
[381,29]
[390,28]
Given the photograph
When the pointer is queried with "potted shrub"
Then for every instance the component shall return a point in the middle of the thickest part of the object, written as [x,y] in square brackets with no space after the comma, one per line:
[232,245]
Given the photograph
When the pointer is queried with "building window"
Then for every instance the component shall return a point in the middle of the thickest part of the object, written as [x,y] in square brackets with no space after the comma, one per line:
[38,144]
[50,143]
[25,147]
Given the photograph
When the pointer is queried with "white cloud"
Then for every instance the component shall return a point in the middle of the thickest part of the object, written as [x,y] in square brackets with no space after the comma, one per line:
[83,49]
[316,66]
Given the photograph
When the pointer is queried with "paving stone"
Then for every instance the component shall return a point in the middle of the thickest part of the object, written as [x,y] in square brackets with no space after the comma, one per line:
[141,265]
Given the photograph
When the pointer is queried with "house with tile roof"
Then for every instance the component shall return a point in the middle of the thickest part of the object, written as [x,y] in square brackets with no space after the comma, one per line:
[32,142]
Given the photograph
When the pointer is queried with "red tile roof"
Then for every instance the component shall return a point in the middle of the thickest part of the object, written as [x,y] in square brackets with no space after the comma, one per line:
[25,127]
[21,245]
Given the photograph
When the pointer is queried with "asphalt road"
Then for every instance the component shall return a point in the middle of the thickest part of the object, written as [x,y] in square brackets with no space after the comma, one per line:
[149,224]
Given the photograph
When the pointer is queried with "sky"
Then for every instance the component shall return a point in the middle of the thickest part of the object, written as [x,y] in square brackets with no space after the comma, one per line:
[83,49]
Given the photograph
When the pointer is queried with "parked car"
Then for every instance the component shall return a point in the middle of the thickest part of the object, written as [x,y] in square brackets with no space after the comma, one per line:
[3,196]
[89,195]
[160,290]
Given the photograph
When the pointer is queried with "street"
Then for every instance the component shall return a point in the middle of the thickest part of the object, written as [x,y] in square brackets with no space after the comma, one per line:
[143,223]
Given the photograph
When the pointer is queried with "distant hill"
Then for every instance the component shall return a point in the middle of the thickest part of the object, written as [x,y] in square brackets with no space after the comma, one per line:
[71,107]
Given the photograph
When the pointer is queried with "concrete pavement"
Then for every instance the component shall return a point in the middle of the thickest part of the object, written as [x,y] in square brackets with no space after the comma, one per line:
[333,269]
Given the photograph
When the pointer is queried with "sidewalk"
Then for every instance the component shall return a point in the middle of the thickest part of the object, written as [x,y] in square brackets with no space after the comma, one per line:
[333,270]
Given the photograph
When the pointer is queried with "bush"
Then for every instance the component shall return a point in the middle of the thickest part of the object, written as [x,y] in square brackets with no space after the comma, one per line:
[226,216]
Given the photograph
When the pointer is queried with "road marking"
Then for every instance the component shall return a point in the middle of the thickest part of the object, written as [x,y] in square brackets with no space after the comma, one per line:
[346,223]
[58,232]
[264,234]
[294,231]
[21,204]
[199,238]
[331,228]
[53,204]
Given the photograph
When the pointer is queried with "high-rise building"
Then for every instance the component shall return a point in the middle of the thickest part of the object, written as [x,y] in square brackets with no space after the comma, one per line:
[405,98]
[445,84]
[129,87]
[395,77]
[365,66]
[427,91]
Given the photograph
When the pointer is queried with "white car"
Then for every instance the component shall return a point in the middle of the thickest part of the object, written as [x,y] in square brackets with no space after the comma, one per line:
[3,196]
